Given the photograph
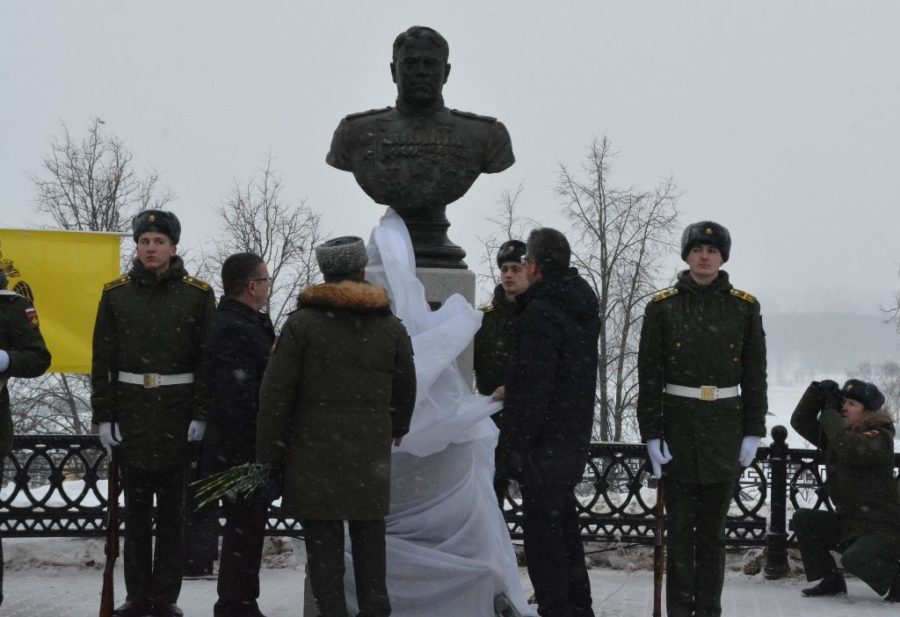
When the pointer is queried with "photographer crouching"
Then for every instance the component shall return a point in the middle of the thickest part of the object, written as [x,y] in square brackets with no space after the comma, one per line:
[856,439]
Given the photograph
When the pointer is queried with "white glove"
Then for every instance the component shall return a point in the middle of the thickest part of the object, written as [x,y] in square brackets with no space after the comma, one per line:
[196,430]
[658,450]
[110,436]
[748,449]
[4,361]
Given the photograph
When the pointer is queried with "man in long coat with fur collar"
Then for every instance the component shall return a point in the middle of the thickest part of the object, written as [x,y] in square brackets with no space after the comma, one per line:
[338,390]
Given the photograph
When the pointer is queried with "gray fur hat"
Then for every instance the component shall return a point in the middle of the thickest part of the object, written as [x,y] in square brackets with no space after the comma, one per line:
[342,256]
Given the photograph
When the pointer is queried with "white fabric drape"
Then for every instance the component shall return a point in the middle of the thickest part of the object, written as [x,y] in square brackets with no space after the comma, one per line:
[448,547]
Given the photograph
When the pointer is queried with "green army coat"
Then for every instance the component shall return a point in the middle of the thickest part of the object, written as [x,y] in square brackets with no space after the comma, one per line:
[859,464]
[339,386]
[693,336]
[28,355]
[493,342]
[150,324]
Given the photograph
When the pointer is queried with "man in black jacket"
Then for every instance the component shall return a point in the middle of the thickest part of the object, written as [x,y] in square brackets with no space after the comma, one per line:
[548,417]
[237,350]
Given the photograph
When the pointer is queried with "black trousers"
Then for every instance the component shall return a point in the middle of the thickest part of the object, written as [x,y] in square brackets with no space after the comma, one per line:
[872,557]
[153,574]
[325,565]
[554,551]
[242,544]
[695,543]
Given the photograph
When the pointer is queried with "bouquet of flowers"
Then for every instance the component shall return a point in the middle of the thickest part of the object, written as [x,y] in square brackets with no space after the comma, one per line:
[241,481]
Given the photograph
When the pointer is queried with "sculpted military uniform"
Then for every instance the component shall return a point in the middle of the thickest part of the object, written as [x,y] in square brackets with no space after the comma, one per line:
[702,373]
[150,329]
[410,162]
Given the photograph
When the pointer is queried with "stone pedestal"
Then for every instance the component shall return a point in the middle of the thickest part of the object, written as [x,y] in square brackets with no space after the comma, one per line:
[439,283]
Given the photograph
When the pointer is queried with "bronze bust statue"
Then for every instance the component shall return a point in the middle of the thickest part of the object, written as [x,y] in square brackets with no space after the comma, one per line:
[420,156]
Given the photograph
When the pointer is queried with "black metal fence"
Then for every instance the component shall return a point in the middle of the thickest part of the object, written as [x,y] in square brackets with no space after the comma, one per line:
[54,485]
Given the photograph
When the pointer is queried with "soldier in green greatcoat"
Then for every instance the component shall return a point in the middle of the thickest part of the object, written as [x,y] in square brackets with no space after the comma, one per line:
[22,354]
[494,339]
[701,410]
[147,344]
[856,438]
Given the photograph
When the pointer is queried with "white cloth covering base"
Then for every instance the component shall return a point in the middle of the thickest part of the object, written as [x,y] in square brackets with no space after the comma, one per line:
[448,548]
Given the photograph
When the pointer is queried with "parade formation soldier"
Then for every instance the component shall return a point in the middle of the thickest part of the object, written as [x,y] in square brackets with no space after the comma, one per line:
[548,419]
[23,353]
[494,340]
[339,389]
[238,344]
[701,410]
[856,437]
[147,345]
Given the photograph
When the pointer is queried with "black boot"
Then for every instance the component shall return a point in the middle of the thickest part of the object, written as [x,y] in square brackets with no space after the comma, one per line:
[893,594]
[831,585]
[132,608]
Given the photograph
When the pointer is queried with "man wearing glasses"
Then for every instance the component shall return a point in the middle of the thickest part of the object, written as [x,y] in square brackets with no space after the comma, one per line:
[237,350]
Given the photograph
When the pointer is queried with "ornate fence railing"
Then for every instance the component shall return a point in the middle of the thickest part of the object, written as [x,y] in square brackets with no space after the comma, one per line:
[55,485]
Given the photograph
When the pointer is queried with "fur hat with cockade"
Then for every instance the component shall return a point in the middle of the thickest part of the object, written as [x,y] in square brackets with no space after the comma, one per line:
[706,232]
[159,221]
[866,393]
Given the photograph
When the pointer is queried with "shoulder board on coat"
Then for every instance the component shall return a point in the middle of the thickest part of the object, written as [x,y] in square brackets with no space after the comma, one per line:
[469,114]
[743,295]
[872,433]
[122,280]
[487,308]
[369,112]
[192,280]
[665,293]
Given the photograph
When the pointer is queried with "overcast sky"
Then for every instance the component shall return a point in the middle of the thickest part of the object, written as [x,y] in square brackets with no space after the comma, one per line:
[781,120]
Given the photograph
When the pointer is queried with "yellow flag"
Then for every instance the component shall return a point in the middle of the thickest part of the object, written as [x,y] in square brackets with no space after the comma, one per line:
[62,273]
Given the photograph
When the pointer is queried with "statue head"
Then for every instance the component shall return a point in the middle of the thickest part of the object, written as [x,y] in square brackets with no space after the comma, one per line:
[419,67]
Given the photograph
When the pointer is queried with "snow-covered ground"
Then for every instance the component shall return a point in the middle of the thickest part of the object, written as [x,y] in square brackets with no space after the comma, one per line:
[62,578]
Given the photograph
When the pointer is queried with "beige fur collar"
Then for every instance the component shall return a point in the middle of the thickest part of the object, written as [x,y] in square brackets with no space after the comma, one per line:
[875,419]
[358,297]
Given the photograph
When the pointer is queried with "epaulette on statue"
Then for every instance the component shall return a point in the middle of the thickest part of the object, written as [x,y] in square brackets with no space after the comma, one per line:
[743,295]
[487,308]
[665,293]
[122,280]
[191,280]
[370,112]
[469,114]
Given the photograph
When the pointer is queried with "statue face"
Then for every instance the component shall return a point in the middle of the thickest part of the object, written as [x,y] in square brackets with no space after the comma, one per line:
[420,72]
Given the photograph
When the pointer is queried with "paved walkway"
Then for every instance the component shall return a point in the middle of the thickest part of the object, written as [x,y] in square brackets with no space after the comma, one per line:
[71,592]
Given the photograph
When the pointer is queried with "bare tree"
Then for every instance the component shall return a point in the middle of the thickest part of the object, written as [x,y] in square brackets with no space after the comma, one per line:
[506,225]
[619,238]
[86,184]
[91,185]
[256,219]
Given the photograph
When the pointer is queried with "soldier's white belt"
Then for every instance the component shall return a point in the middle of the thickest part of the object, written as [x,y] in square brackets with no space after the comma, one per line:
[155,380]
[703,393]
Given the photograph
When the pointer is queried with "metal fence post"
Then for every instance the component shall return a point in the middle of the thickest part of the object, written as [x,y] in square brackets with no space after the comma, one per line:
[776,539]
